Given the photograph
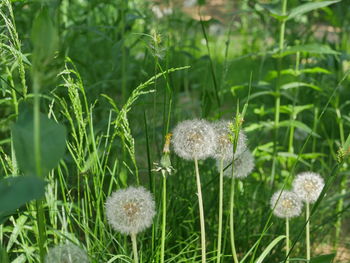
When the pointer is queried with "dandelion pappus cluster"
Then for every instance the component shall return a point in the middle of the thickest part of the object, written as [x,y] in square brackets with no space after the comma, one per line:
[308,186]
[194,139]
[66,253]
[130,210]
[286,204]
[243,165]
[224,146]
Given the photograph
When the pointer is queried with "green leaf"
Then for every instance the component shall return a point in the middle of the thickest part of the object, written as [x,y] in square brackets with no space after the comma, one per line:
[297,124]
[269,248]
[314,48]
[308,7]
[52,142]
[3,255]
[16,191]
[293,85]
[315,70]
[274,11]
[323,258]
[44,38]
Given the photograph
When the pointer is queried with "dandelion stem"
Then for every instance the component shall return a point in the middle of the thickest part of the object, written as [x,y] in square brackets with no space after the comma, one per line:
[232,233]
[134,248]
[201,211]
[221,186]
[163,219]
[308,231]
[287,239]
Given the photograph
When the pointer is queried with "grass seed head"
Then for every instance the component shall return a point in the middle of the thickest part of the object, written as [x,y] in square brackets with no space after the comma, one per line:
[224,146]
[130,210]
[66,253]
[308,186]
[286,204]
[194,139]
[243,165]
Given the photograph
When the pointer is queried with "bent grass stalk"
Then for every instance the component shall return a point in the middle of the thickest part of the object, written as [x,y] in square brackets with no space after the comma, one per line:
[201,211]
[221,186]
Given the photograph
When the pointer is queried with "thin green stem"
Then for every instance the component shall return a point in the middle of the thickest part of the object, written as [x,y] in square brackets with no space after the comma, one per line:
[201,212]
[308,231]
[287,239]
[221,190]
[232,233]
[134,248]
[278,88]
[163,219]
[37,153]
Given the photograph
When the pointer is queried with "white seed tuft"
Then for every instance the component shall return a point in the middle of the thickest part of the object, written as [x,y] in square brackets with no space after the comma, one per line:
[224,146]
[130,210]
[243,165]
[67,253]
[194,139]
[286,204]
[308,186]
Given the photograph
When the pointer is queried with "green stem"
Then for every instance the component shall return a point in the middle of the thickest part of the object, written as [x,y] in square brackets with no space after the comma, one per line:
[163,219]
[201,212]
[37,153]
[287,239]
[232,233]
[221,186]
[308,231]
[134,248]
[278,88]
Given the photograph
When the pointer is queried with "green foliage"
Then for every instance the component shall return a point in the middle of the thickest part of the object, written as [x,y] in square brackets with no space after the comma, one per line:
[52,142]
[132,70]
[16,191]
[323,259]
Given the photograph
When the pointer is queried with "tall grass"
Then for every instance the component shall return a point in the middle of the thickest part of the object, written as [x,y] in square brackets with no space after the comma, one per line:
[119,79]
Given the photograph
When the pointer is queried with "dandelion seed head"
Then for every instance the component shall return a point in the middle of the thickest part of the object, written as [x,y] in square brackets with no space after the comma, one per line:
[66,253]
[194,139]
[243,165]
[308,186]
[286,204]
[130,210]
[224,146]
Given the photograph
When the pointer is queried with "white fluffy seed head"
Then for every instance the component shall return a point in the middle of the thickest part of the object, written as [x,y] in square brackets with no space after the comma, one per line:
[308,186]
[286,204]
[224,146]
[130,210]
[194,139]
[66,253]
[243,165]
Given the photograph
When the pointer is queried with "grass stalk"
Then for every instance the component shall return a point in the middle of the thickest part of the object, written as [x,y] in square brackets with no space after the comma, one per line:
[134,248]
[232,233]
[201,212]
[162,250]
[308,231]
[221,190]
[278,88]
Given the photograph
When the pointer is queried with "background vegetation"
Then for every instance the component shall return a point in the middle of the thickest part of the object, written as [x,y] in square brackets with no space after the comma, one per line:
[79,81]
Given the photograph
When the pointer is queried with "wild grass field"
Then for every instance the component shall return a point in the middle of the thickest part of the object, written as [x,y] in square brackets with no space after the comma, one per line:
[161,131]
